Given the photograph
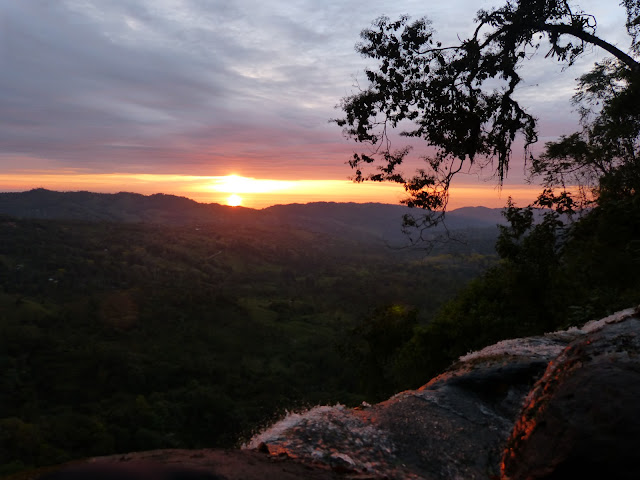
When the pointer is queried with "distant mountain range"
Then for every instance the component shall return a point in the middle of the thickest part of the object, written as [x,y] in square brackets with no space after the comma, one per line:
[373,222]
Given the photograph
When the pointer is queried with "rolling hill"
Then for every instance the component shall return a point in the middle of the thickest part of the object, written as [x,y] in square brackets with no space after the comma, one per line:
[370,223]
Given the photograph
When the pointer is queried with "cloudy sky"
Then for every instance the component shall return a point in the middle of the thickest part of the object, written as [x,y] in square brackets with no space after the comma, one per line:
[167,95]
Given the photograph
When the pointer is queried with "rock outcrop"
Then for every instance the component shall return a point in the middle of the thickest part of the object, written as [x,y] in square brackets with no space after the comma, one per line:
[582,419]
[457,425]
[562,405]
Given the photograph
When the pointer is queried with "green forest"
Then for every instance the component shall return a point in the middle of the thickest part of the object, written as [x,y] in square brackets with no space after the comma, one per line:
[118,337]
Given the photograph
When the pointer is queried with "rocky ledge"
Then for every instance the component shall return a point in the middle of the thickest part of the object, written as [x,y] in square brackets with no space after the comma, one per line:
[562,405]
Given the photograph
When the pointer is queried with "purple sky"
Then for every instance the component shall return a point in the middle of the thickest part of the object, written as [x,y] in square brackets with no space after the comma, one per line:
[207,87]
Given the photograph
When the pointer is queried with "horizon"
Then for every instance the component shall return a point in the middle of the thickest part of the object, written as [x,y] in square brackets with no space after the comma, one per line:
[126,192]
[155,96]
[248,197]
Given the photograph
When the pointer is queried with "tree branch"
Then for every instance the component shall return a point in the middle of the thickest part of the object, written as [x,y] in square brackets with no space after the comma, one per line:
[590,38]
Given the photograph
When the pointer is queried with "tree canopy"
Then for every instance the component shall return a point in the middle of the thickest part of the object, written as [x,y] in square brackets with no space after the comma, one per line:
[460,99]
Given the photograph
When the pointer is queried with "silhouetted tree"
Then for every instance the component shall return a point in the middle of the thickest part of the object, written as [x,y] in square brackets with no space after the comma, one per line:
[460,98]
[603,159]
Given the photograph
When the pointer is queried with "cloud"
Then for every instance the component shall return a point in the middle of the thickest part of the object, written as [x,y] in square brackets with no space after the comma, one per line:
[201,86]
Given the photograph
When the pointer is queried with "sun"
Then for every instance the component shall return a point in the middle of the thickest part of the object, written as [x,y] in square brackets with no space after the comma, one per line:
[234,200]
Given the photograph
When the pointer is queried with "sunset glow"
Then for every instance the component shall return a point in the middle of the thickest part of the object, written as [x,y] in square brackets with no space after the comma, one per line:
[257,192]
[237,184]
[140,106]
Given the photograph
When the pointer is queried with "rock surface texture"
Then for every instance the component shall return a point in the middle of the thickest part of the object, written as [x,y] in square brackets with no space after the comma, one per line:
[586,403]
[582,419]
[562,405]
[454,427]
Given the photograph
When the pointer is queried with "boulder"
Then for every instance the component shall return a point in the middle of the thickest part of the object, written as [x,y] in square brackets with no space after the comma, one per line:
[582,418]
[455,426]
[579,389]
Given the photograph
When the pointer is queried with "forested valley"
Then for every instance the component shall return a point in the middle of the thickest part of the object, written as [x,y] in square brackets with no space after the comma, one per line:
[118,337]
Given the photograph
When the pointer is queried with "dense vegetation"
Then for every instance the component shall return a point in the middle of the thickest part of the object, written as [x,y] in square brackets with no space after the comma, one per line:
[537,287]
[118,337]
[576,258]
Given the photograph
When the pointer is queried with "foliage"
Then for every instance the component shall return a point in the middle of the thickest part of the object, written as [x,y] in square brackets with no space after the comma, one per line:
[552,275]
[555,270]
[573,254]
[459,98]
[373,345]
[123,337]
[604,158]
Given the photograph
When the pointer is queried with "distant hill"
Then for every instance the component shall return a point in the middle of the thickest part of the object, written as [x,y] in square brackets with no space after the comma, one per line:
[117,207]
[380,221]
[367,222]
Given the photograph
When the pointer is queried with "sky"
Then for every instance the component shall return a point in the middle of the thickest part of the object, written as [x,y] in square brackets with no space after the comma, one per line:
[208,98]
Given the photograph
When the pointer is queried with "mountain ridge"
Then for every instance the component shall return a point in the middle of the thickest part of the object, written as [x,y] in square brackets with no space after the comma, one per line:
[368,222]
[9,200]
[373,220]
